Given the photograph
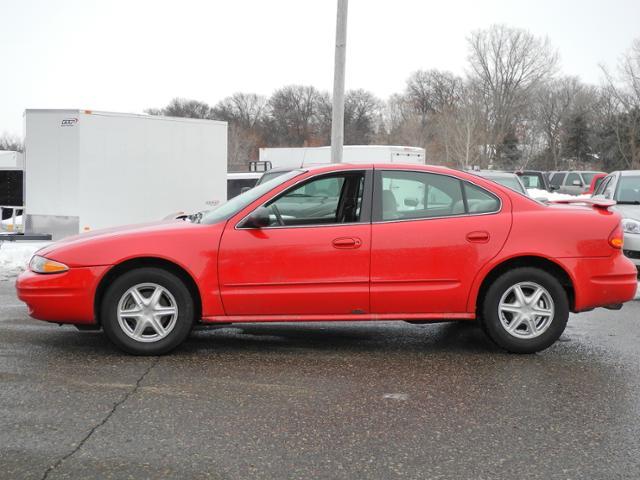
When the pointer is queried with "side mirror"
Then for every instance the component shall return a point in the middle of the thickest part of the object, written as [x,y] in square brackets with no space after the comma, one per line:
[553,188]
[244,189]
[259,218]
[410,202]
[577,183]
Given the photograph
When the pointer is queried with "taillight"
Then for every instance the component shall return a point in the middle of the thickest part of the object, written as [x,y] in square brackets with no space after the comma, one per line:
[616,239]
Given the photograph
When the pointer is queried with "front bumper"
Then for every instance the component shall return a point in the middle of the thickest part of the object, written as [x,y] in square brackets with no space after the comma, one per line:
[632,248]
[66,297]
[602,281]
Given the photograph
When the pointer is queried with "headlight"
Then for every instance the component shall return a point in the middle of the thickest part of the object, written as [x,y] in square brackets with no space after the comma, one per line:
[630,226]
[40,264]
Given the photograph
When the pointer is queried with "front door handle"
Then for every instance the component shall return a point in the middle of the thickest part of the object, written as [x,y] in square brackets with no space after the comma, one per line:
[347,242]
[478,237]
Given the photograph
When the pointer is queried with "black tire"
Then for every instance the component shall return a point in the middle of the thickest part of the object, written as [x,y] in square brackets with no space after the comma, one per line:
[174,285]
[490,318]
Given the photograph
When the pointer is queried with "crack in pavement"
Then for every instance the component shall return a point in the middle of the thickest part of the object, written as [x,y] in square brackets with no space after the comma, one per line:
[115,406]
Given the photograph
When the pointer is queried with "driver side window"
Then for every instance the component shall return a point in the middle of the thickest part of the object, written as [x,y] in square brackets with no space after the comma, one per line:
[329,199]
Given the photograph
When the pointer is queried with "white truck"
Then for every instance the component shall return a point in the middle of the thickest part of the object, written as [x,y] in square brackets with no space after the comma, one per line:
[305,156]
[87,170]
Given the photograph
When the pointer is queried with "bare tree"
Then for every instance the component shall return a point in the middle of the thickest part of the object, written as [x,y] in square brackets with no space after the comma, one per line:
[180,107]
[508,64]
[624,88]
[11,142]
[294,112]
[245,109]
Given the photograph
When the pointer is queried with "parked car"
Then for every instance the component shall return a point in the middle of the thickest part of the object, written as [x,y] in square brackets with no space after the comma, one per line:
[595,182]
[533,179]
[239,182]
[510,180]
[571,182]
[478,251]
[624,188]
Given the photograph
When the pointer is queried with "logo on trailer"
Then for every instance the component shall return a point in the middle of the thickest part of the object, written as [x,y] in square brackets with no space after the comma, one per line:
[68,122]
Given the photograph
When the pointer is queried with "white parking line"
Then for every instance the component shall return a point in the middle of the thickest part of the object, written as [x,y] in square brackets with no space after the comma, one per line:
[396,396]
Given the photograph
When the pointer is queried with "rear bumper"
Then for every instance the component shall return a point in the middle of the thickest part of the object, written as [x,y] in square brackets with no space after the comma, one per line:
[600,282]
[66,297]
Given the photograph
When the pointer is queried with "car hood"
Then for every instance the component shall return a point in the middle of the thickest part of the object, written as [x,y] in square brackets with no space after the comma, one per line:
[628,211]
[167,239]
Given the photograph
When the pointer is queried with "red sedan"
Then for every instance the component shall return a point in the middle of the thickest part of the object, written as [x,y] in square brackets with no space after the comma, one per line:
[342,243]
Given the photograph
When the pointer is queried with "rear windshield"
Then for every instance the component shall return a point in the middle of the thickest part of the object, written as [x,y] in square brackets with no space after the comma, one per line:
[531,180]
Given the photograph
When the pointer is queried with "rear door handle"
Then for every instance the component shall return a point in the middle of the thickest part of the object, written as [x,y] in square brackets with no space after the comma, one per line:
[347,242]
[478,237]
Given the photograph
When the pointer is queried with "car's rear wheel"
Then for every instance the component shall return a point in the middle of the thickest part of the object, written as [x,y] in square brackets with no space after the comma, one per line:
[525,310]
[147,311]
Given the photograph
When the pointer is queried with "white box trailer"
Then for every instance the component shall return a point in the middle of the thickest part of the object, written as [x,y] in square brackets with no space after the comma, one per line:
[305,156]
[87,170]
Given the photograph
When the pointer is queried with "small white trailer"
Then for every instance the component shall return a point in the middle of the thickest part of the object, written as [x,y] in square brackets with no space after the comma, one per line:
[87,170]
[305,156]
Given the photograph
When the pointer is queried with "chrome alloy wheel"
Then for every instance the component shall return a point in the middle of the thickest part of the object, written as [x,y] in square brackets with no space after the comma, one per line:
[526,310]
[147,312]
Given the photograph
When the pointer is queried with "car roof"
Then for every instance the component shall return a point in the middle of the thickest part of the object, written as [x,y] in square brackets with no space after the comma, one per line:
[629,173]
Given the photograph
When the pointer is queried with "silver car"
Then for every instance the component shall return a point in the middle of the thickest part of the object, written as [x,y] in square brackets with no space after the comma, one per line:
[571,182]
[624,188]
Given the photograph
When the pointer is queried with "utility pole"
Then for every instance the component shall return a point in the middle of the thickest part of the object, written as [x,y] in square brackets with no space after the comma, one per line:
[337,117]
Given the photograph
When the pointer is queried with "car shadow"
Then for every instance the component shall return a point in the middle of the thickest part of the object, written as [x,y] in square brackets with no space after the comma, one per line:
[332,337]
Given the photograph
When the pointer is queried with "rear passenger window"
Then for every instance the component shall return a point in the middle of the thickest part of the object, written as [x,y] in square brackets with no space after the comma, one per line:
[415,195]
[479,200]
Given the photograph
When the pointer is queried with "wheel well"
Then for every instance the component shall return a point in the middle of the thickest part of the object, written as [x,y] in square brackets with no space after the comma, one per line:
[536,262]
[132,264]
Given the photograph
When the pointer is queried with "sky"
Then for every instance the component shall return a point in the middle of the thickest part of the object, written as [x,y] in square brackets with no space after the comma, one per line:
[129,55]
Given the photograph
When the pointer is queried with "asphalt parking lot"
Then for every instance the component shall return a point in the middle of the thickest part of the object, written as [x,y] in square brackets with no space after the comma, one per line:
[378,400]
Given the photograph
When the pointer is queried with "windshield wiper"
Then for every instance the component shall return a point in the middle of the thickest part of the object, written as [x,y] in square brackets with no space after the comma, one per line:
[633,202]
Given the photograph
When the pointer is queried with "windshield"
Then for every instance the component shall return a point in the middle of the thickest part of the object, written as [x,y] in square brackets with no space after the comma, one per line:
[233,206]
[629,190]
[588,177]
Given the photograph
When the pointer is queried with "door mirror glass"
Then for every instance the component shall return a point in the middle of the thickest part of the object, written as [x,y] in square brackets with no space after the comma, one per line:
[411,202]
[259,218]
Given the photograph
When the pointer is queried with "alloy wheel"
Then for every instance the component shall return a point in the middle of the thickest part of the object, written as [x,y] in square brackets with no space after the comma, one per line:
[526,310]
[147,312]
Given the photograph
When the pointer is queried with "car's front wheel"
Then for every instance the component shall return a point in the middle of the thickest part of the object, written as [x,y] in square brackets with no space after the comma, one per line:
[147,311]
[525,310]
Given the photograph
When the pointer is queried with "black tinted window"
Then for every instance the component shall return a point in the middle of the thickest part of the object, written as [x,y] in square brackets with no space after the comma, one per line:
[557,179]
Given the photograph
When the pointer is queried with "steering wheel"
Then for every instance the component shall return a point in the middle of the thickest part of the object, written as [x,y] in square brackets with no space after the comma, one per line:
[276,212]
